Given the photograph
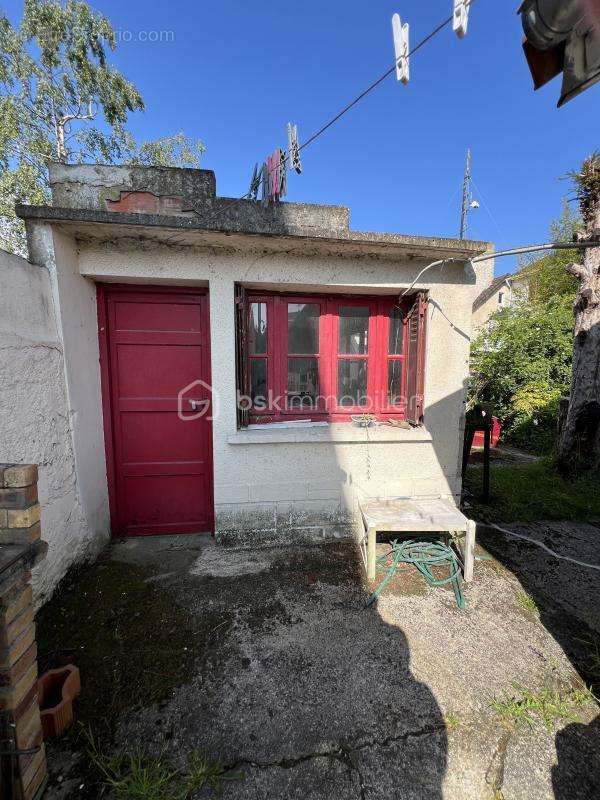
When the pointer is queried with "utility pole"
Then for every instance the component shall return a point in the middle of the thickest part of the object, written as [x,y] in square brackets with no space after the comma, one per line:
[466,196]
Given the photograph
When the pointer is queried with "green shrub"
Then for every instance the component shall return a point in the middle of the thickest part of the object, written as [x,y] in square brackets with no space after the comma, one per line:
[521,362]
[532,425]
[523,366]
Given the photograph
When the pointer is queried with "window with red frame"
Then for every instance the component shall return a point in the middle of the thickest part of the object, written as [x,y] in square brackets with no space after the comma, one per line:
[327,357]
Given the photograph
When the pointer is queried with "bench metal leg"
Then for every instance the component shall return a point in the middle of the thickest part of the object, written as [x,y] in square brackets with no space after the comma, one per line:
[371,554]
[469,551]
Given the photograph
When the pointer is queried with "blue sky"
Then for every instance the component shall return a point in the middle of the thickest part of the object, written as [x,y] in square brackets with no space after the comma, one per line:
[233,74]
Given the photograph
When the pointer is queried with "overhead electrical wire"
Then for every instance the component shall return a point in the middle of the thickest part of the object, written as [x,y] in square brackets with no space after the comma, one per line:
[484,257]
[534,248]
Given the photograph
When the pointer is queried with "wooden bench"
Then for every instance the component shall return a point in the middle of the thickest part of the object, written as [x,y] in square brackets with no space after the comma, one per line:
[435,515]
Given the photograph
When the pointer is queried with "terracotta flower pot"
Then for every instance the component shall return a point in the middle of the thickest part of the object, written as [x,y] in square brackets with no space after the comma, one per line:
[57,689]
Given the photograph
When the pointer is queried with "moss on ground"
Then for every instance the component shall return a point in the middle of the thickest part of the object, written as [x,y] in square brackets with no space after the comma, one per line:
[133,644]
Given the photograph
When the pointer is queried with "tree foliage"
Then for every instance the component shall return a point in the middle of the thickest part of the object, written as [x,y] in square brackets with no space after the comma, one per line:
[522,360]
[587,185]
[60,100]
[547,277]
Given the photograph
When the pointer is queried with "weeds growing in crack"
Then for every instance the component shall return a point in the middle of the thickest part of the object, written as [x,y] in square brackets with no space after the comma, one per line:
[546,706]
[140,776]
[204,772]
[136,776]
[527,603]
[592,657]
[452,720]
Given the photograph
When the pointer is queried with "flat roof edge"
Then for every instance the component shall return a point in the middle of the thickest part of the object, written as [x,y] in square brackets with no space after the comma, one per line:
[461,247]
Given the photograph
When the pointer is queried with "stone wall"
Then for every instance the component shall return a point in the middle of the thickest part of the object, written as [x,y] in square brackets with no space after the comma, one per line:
[22,774]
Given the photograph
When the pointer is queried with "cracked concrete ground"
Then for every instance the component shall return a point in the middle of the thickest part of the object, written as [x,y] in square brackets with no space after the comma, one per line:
[314,696]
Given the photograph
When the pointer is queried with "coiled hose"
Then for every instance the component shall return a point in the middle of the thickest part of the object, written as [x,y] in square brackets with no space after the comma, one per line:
[424,556]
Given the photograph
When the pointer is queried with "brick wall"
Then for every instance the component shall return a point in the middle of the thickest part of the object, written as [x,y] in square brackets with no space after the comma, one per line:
[23,774]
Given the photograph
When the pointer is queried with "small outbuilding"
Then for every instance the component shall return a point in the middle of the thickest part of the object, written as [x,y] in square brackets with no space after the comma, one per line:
[217,354]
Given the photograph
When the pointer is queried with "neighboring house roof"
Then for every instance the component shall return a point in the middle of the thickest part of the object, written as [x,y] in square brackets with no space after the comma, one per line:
[495,285]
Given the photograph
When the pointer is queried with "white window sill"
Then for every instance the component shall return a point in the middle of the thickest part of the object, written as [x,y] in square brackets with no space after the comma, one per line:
[337,432]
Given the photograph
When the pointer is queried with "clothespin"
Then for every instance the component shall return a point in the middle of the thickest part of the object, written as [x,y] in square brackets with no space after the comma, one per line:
[461,17]
[264,181]
[283,162]
[294,148]
[255,183]
[401,48]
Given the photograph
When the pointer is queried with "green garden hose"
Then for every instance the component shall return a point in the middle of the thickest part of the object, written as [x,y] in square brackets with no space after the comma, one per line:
[424,556]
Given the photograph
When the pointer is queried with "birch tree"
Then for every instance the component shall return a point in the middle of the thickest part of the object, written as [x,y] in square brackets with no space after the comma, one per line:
[60,100]
[579,446]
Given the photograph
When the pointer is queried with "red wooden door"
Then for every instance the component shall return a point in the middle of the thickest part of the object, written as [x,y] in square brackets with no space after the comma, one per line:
[154,344]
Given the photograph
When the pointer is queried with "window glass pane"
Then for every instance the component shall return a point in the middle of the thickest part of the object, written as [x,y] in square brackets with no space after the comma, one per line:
[396,332]
[302,383]
[394,383]
[354,330]
[352,382]
[258,328]
[258,381]
[303,328]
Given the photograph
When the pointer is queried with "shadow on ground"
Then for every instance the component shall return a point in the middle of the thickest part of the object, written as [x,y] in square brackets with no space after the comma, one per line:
[266,660]
[567,597]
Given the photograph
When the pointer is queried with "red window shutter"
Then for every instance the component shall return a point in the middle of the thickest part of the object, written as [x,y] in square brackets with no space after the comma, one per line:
[241,354]
[415,368]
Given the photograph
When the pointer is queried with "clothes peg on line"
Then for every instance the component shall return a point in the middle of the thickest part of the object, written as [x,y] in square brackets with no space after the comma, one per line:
[461,17]
[255,182]
[401,48]
[294,148]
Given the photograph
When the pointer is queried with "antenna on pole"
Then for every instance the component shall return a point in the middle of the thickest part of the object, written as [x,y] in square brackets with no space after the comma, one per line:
[466,196]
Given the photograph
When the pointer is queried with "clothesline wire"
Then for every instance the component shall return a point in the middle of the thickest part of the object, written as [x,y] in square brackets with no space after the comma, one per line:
[379,80]
[344,110]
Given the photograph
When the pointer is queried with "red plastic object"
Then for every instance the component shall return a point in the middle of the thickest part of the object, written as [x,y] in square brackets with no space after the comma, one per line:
[57,689]
[496,433]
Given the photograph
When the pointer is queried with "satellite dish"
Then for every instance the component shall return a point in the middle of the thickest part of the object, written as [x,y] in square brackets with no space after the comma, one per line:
[474,205]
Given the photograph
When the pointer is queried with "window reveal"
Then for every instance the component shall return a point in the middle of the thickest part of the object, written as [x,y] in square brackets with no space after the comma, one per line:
[327,357]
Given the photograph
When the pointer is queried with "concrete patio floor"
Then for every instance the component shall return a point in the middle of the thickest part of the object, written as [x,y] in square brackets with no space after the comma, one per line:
[312,696]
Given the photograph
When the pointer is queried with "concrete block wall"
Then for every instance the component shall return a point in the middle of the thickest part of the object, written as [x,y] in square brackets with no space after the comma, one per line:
[22,775]
[274,486]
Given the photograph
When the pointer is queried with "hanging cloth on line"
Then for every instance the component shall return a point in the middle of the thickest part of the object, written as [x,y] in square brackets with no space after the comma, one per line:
[271,178]
[274,176]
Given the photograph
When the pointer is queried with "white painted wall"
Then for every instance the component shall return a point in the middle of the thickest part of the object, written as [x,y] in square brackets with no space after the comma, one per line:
[78,315]
[283,486]
[35,422]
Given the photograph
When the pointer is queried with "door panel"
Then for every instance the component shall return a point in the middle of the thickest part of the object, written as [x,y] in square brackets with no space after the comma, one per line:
[145,434]
[141,369]
[157,344]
